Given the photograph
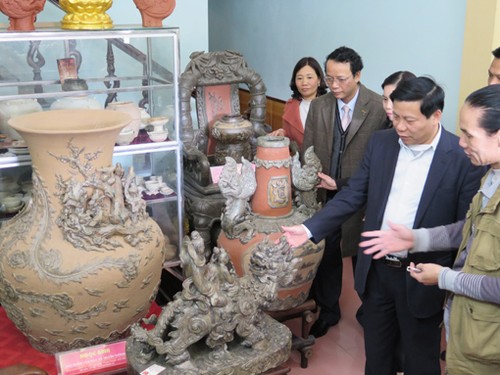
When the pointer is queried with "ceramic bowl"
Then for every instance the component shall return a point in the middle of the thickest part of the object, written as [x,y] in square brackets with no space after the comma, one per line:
[152,187]
[158,136]
[125,137]
[11,202]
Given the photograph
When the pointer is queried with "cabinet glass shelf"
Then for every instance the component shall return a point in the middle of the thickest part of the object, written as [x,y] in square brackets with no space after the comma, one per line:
[126,63]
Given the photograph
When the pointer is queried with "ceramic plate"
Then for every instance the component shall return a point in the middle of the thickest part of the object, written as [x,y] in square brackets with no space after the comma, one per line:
[19,150]
[11,210]
[18,144]
[166,190]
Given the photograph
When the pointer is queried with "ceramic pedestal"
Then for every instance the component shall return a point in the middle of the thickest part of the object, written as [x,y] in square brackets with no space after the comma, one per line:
[86,14]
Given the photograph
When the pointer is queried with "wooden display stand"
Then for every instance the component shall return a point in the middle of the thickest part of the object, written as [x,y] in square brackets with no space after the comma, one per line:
[305,342]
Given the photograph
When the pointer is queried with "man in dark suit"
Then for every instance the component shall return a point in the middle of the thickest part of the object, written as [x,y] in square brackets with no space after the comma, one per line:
[415,174]
[339,140]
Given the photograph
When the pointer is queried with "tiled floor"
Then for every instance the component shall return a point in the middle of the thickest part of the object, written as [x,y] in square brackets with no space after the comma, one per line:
[341,350]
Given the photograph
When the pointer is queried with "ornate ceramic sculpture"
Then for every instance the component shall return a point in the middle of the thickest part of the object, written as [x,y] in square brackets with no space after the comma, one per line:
[216,324]
[216,77]
[259,203]
[21,13]
[86,14]
[154,11]
[82,261]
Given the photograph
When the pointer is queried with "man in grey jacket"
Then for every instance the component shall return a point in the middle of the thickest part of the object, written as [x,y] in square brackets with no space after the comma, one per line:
[339,125]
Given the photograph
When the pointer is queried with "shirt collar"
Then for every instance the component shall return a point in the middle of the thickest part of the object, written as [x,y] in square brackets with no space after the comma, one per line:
[415,149]
[351,104]
[491,183]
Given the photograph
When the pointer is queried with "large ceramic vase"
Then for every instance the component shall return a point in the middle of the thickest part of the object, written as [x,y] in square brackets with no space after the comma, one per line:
[271,208]
[76,101]
[154,11]
[86,14]
[82,261]
[21,13]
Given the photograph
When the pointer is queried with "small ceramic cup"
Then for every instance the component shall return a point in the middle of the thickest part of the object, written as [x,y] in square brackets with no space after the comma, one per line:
[152,187]
[158,136]
[158,123]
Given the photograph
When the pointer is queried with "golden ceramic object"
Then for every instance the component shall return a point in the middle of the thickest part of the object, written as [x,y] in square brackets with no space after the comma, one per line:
[86,14]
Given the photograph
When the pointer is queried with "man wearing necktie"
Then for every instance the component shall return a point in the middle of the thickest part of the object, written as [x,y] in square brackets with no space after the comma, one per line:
[339,125]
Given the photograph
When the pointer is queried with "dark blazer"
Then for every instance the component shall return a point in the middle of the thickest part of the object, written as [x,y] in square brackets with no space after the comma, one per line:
[368,116]
[450,185]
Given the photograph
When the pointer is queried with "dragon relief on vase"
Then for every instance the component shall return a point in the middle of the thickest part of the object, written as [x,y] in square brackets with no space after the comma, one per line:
[100,204]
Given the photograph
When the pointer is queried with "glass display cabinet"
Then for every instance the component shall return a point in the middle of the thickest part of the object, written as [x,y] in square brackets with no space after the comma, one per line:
[124,64]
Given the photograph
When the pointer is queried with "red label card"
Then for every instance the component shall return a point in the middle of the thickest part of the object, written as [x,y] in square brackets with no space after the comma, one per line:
[98,359]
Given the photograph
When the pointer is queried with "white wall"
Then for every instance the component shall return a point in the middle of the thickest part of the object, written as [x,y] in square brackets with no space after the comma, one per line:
[191,16]
[424,36]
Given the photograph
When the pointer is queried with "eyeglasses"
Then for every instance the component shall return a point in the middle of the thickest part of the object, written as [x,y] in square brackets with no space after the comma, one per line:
[340,80]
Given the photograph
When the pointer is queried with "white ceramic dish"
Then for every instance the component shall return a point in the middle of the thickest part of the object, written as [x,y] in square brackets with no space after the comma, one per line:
[19,150]
[18,144]
[12,210]
[11,202]
[166,190]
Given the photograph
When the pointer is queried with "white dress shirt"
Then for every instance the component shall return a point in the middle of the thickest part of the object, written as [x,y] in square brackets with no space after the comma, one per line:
[304,110]
[411,172]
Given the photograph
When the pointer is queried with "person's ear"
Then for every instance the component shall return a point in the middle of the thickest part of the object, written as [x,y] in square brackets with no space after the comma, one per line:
[438,115]
[357,76]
